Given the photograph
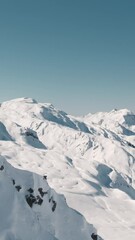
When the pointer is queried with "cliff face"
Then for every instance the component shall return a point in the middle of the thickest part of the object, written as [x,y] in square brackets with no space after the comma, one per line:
[30,209]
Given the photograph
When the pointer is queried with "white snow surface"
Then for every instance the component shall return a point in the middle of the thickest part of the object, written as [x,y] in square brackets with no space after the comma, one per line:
[83,166]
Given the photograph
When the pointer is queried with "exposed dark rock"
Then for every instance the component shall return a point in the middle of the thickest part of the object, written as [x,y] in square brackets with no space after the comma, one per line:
[41,192]
[50,199]
[54,205]
[30,190]
[13,181]
[30,200]
[45,177]
[1,167]
[39,200]
[18,188]
[94,236]
[130,145]
[31,134]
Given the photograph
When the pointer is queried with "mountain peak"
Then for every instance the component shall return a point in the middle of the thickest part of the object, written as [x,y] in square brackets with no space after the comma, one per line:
[69,178]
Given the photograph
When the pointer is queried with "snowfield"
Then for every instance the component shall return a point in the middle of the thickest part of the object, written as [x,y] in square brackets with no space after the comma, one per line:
[65,177]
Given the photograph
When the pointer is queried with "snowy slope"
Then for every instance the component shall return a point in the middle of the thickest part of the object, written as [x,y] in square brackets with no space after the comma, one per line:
[30,209]
[89,162]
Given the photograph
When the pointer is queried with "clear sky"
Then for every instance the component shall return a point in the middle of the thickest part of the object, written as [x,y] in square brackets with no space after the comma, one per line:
[77,54]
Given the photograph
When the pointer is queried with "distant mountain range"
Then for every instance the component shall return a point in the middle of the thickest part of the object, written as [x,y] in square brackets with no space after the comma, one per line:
[64,177]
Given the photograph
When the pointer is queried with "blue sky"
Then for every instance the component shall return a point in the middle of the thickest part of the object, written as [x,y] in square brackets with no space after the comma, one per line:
[77,54]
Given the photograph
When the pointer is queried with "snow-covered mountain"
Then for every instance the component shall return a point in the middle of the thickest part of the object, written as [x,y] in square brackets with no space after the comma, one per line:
[65,177]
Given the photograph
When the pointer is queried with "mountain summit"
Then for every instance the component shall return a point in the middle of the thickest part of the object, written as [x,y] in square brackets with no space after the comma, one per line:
[64,177]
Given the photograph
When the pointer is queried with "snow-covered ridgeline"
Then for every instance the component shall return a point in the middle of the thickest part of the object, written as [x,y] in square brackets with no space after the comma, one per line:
[91,160]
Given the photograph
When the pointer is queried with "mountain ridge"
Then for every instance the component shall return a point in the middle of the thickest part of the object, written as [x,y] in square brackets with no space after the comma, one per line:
[90,160]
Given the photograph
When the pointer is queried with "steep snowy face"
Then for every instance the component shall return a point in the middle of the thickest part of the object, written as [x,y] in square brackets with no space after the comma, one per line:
[89,160]
[30,209]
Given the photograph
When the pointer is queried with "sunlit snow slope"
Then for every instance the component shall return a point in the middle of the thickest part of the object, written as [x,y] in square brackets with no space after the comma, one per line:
[63,177]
